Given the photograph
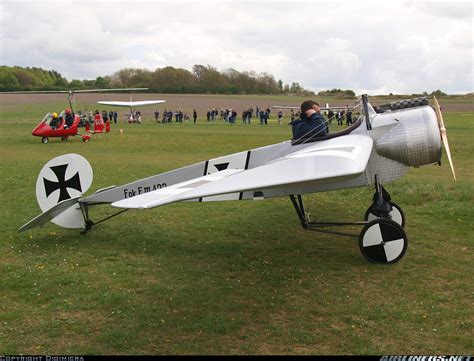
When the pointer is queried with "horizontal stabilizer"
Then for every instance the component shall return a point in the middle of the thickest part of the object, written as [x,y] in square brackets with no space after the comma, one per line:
[49,214]
[132,104]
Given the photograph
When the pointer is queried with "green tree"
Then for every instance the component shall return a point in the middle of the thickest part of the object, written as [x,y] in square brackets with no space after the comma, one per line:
[280,84]
[172,80]
[8,81]
[24,78]
[76,84]
[296,88]
[102,82]
[438,93]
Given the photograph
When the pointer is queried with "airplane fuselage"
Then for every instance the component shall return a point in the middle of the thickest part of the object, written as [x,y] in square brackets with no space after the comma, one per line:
[401,139]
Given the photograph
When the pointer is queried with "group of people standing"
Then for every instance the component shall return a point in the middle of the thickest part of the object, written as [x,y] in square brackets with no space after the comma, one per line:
[339,116]
[91,116]
[230,115]
[106,116]
[307,121]
[168,116]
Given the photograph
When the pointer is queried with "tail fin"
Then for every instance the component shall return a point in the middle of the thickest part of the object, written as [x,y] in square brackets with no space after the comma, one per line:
[60,184]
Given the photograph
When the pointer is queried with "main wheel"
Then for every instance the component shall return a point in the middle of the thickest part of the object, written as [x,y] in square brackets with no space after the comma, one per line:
[396,214]
[45,140]
[383,241]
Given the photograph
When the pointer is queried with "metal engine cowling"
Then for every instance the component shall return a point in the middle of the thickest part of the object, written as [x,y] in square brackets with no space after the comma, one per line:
[415,139]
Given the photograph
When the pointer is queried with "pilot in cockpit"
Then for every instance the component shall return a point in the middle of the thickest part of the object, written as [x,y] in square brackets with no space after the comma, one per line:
[311,122]
[55,122]
[69,118]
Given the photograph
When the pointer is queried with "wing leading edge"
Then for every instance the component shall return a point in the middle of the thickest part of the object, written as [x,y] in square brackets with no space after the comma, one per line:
[324,161]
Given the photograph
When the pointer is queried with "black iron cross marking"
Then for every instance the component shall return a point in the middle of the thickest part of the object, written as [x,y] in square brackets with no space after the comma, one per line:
[62,184]
[221,166]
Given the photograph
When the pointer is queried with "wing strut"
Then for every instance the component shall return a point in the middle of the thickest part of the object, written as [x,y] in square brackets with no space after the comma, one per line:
[366,111]
[318,226]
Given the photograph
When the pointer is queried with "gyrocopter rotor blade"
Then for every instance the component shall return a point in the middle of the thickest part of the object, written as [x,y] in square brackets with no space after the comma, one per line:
[444,134]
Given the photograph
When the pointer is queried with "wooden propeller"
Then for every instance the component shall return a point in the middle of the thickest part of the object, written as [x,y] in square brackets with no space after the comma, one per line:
[444,134]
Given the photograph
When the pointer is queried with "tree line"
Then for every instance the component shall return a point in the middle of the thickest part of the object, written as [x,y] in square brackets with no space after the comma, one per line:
[15,78]
[200,80]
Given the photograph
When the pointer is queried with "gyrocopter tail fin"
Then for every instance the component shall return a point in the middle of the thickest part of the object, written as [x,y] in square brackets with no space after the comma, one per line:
[59,186]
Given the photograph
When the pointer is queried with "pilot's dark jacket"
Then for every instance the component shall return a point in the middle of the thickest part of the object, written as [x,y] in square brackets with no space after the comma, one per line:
[55,123]
[305,127]
[69,119]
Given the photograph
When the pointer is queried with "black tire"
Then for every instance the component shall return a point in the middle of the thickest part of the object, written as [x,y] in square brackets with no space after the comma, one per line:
[383,241]
[45,140]
[397,215]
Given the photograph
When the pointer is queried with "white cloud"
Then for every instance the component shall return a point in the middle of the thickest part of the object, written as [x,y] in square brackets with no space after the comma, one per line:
[398,46]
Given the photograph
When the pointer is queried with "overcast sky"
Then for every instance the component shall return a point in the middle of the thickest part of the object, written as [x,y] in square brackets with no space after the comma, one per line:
[367,46]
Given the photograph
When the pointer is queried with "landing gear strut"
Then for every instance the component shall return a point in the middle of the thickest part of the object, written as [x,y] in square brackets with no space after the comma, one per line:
[383,207]
[382,239]
[88,223]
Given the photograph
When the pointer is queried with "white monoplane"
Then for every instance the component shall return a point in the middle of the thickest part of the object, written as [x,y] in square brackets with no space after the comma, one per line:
[131,104]
[379,148]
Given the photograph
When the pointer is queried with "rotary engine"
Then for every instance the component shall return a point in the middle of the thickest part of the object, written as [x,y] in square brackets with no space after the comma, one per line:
[414,139]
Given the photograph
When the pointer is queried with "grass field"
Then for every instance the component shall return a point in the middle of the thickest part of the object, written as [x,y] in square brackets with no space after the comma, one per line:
[228,277]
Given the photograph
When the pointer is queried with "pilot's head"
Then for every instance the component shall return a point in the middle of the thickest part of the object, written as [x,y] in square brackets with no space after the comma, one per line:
[309,105]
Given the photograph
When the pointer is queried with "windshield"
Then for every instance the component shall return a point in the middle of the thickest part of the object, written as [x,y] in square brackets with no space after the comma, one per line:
[47,118]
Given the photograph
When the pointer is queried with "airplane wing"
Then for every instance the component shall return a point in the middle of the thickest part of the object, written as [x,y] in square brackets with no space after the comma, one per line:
[325,161]
[132,104]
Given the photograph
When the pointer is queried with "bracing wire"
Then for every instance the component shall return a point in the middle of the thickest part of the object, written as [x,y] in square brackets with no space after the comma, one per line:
[304,136]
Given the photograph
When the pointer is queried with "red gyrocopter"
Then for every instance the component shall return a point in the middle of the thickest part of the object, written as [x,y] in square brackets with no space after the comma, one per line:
[67,123]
